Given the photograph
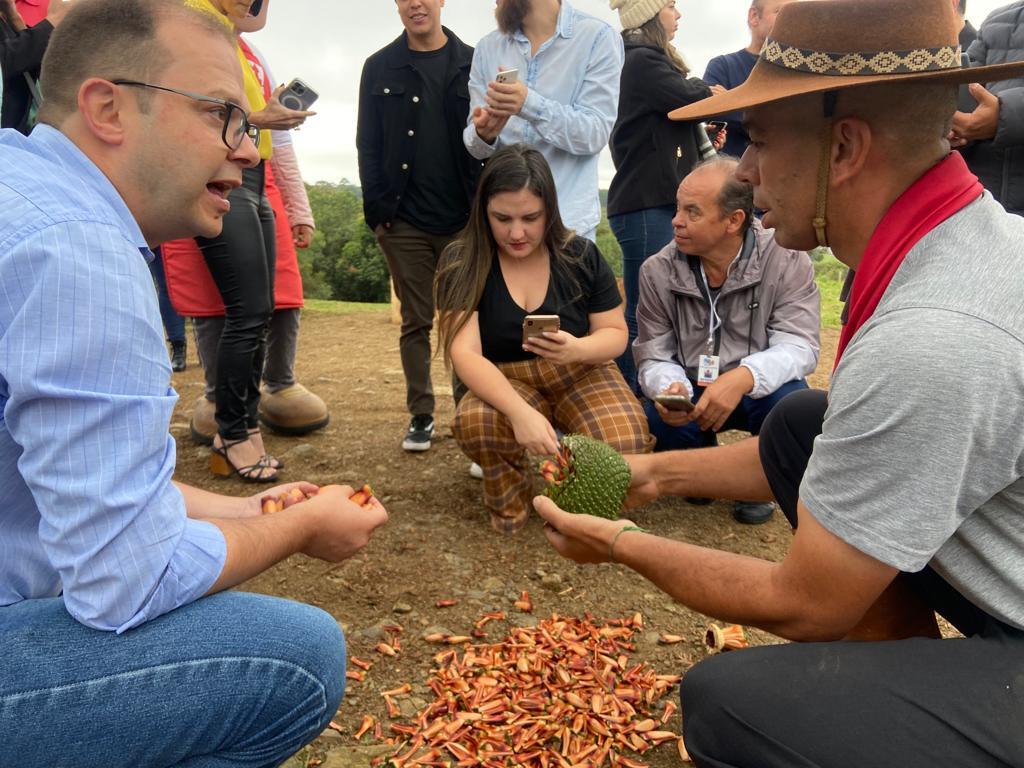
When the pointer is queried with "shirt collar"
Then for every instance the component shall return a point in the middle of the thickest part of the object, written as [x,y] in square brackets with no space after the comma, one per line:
[60,149]
[563,28]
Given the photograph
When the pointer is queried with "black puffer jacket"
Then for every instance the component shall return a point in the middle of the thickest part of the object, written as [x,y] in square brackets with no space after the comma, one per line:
[651,153]
[999,163]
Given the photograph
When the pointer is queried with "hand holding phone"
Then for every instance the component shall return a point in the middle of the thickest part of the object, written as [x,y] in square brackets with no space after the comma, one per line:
[536,325]
[716,130]
[298,95]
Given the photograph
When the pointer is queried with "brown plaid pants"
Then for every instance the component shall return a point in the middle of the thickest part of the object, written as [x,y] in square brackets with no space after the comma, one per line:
[592,400]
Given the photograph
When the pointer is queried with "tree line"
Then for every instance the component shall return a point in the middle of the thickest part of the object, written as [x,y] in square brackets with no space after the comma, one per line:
[345,263]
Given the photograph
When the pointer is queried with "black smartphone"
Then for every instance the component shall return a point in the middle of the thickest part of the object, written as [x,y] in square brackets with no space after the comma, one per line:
[713,128]
[675,402]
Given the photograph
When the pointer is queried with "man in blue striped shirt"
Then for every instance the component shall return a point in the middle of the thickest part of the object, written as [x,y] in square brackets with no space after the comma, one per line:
[116,651]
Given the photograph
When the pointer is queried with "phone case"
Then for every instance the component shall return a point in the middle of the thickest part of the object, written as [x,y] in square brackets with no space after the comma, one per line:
[298,96]
[535,325]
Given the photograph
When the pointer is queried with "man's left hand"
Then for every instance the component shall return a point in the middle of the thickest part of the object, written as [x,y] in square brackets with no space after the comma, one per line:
[720,399]
[254,504]
[506,99]
[302,235]
[979,125]
[582,538]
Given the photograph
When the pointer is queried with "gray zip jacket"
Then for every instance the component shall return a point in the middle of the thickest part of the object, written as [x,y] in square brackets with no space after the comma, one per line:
[769,309]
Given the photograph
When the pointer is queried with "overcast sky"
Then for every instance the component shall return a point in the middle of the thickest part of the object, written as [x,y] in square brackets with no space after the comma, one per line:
[325,42]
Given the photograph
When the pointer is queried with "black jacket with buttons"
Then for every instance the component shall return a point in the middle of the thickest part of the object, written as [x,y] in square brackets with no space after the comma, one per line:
[386,137]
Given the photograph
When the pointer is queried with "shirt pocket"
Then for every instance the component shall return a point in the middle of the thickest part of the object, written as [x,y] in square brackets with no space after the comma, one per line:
[385,89]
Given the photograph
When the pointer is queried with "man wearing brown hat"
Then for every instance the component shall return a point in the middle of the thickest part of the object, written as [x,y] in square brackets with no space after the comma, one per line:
[849,109]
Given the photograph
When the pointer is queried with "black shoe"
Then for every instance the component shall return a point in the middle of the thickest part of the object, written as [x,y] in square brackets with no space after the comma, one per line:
[177,356]
[421,429]
[752,512]
[698,501]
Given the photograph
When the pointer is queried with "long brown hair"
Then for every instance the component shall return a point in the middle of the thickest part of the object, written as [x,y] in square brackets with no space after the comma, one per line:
[652,33]
[467,261]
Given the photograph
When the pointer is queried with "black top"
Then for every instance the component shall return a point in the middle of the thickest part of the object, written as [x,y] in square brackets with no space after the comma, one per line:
[21,54]
[651,153]
[501,319]
[434,199]
[388,134]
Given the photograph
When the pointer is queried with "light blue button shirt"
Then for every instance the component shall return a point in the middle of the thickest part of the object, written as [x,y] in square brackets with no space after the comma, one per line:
[573,83]
[88,507]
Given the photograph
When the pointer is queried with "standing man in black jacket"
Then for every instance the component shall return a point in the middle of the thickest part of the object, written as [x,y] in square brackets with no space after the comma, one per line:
[417,178]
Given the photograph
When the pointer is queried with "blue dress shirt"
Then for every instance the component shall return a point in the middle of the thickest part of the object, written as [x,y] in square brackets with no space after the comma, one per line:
[85,456]
[569,113]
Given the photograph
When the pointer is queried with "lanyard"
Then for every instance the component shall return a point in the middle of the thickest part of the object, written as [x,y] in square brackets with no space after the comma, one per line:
[714,321]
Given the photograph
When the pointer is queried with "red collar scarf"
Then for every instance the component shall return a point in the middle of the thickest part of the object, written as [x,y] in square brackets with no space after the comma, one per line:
[943,191]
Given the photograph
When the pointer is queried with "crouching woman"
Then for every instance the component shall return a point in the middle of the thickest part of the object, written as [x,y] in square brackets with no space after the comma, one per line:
[516,258]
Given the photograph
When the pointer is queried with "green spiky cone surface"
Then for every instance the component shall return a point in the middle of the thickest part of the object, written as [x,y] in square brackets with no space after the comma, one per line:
[596,478]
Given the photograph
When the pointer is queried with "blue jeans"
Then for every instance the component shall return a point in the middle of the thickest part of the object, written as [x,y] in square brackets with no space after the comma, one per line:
[748,417]
[640,234]
[232,680]
[174,324]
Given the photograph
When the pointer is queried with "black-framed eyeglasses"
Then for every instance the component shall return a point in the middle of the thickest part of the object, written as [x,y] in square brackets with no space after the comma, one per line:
[236,121]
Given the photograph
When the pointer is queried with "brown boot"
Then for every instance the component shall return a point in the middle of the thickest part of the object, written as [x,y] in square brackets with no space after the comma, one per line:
[293,410]
[203,424]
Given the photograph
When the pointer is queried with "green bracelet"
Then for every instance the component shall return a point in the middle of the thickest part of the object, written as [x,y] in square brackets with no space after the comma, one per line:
[622,530]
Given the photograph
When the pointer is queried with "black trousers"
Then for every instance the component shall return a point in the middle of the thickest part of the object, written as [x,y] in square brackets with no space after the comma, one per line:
[903,703]
[241,260]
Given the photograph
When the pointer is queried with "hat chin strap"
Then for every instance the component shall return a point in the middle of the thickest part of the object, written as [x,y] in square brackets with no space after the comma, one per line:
[820,222]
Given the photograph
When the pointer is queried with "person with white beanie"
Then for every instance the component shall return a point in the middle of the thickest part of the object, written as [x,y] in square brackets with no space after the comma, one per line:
[651,153]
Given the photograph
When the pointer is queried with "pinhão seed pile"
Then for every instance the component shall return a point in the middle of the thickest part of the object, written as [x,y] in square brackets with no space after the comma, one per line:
[561,694]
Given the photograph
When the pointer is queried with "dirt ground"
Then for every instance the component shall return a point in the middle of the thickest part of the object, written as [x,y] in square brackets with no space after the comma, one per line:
[438,543]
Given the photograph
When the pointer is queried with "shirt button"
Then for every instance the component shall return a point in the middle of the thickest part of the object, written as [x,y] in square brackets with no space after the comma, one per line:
[387,91]
[405,166]
[415,99]
[412,133]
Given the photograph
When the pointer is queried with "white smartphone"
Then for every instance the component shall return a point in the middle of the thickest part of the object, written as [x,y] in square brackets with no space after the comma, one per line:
[507,76]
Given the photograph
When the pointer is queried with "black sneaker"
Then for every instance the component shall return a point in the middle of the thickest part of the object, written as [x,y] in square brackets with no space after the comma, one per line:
[177,356]
[421,429]
[753,512]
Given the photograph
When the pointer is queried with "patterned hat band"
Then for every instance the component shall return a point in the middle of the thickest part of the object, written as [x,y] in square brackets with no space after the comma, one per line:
[860,64]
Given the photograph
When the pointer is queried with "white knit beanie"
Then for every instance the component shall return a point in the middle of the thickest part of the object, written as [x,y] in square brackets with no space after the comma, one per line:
[636,13]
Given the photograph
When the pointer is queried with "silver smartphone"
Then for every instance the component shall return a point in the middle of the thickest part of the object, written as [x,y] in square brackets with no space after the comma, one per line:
[507,76]
[298,95]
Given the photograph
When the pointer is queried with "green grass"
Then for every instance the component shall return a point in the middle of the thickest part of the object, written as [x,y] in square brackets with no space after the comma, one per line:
[342,307]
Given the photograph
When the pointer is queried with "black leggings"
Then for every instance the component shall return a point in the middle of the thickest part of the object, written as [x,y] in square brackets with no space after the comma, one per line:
[241,261]
[906,703]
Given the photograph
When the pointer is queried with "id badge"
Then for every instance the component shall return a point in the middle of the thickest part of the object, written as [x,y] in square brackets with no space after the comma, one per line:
[707,371]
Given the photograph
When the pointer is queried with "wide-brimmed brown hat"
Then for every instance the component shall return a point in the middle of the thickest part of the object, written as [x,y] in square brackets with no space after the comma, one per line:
[829,45]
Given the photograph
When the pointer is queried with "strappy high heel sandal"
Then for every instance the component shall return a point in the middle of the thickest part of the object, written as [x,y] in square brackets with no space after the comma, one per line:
[221,465]
[272,461]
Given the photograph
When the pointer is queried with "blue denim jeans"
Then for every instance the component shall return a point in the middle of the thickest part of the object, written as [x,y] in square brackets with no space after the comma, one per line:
[640,234]
[174,324]
[233,679]
[748,417]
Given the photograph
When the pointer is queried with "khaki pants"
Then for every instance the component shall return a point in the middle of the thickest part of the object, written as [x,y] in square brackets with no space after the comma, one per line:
[587,399]
[412,257]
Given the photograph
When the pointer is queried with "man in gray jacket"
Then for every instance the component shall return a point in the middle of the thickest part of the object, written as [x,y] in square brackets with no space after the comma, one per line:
[726,317]
[991,137]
